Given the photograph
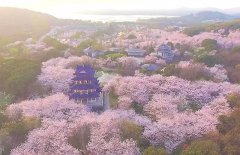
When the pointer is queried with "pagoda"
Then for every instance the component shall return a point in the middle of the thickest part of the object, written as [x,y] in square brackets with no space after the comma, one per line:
[85,87]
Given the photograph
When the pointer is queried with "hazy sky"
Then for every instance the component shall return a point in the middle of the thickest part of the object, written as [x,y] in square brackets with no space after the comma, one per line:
[63,7]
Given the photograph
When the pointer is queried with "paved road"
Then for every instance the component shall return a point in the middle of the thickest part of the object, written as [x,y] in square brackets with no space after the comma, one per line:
[106,101]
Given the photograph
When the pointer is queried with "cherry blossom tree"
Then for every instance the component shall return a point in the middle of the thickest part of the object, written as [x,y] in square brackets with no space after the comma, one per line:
[161,98]
[58,72]
[150,59]
[61,117]
[128,65]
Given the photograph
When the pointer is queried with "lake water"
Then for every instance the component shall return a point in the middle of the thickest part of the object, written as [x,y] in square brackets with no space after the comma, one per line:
[115,18]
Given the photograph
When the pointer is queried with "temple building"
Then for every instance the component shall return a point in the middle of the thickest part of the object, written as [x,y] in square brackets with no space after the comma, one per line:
[85,87]
[165,52]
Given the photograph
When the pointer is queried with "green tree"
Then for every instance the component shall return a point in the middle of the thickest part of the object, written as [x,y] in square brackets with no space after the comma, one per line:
[231,142]
[209,44]
[138,108]
[80,138]
[171,45]
[5,99]
[154,151]
[236,49]
[234,100]
[201,55]
[202,147]
[90,43]
[227,123]
[54,43]
[169,70]
[130,130]
[17,75]
[14,132]
[131,36]
[114,56]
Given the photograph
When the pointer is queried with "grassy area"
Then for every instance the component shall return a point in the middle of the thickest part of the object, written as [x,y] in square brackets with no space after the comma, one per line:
[114,56]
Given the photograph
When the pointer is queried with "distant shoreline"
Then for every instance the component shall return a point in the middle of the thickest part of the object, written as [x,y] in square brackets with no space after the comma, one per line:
[115,17]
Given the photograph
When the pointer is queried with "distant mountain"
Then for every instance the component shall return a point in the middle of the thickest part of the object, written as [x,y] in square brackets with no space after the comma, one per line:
[232,11]
[207,16]
[18,24]
[203,17]
[227,26]
[183,11]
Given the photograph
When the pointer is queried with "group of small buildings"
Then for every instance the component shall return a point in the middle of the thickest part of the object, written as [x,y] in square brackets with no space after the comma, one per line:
[136,52]
[164,52]
[85,87]
[93,53]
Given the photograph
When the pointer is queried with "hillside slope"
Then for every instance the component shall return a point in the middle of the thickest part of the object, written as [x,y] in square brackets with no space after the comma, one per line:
[17,24]
[227,26]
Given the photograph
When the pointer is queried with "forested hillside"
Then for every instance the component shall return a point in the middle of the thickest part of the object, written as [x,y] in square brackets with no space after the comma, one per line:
[19,24]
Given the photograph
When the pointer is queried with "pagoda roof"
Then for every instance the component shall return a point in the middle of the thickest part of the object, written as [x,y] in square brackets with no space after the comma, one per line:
[84,69]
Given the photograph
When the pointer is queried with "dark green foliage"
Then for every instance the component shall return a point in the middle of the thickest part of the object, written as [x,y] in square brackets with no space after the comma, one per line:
[14,132]
[169,70]
[113,99]
[54,43]
[203,56]
[80,138]
[154,151]
[131,36]
[202,147]
[196,29]
[1,59]
[3,119]
[5,99]
[192,31]
[17,75]
[89,43]
[138,108]
[234,100]
[231,61]
[130,130]
[227,123]
[183,47]
[20,24]
[194,106]
[171,45]
[150,49]
[236,49]
[209,44]
[231,142]
[226,142]
[18,51]
[79,35]
[209,60]
[114,56]
[193,73]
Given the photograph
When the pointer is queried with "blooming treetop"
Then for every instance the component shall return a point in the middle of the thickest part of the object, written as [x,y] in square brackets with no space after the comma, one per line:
[57,73]
[61,117]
